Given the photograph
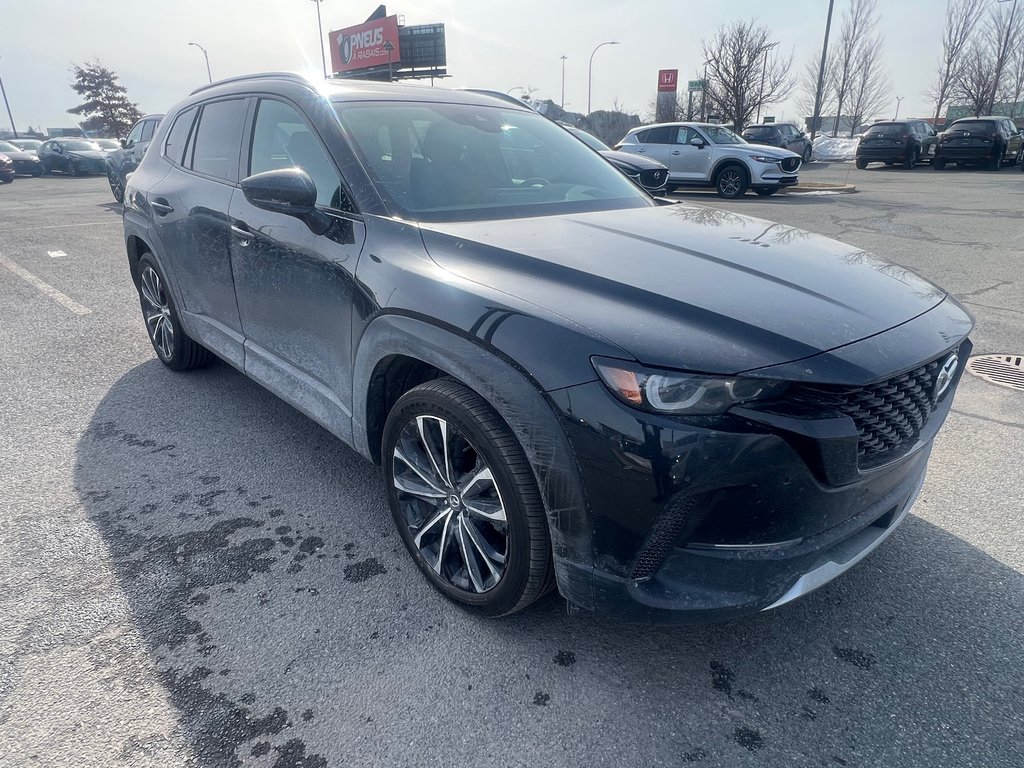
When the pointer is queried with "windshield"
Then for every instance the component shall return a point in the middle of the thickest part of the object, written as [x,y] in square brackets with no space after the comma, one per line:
[457,162]
[986,126]
[591,141]
[78,144]
[721,135]
[5,147]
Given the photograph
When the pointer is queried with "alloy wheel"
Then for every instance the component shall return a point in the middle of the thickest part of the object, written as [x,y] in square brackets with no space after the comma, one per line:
[730,183]
[451,504]
[157,311]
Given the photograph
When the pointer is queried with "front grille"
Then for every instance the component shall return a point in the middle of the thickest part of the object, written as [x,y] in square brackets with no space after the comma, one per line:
[889,415]
[790,164]
[664,535]
[654,178]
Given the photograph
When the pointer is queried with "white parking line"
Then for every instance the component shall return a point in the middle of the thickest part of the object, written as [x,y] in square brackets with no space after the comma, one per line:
[56,226]
[55,254]
[64,300]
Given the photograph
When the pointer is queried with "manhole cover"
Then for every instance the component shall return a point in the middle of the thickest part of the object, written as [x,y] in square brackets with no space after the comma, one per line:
[1005,370]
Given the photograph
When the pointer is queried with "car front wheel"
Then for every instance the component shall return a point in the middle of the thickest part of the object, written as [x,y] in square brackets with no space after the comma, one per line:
[465,500]
[731,182]
[172,345]
[116,187]
[807,154]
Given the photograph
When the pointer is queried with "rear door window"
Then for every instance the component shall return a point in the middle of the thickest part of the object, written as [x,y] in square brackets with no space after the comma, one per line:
[218,139]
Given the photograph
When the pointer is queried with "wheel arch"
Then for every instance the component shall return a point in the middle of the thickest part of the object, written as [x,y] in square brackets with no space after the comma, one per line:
[722,164]
[397,352]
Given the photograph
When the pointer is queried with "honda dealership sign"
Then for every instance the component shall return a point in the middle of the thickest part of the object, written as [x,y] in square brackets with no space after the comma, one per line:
[365,45]
[668,83]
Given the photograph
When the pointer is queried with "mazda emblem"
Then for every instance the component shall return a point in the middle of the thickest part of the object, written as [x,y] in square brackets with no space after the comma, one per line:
[946,373]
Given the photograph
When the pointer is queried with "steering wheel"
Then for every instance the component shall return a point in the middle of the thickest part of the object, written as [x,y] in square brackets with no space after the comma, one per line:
[536,181]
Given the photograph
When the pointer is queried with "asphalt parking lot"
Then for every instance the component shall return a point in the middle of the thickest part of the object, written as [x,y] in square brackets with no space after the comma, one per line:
[194,574]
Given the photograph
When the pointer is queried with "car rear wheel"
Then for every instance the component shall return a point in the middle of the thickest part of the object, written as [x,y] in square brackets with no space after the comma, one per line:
[996,161]
[116,187]
[172,345]
[861,163]
[731,182]
[465,500]
[807,154]
[912,158]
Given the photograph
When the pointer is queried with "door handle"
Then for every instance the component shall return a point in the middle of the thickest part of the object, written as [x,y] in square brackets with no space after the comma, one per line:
[243,233]
[641,150]
[675,151]
[161,206]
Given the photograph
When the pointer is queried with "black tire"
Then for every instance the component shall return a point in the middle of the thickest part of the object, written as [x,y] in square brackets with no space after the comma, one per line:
[176,349]
[731,181]
[71,170]
[766,191]
[996,161]
[6,179]
[939,164]
[861,163]
[116,186]
[807,154]
[912,158]
[476,436]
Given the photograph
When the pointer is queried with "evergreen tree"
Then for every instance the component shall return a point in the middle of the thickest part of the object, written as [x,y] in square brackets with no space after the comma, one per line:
[106,108]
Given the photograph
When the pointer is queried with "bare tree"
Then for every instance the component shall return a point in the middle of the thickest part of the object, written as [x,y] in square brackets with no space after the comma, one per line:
[741,78]
[974,86]
[1004,30]
[857,32]
[988,73]
[807,87]
[962,17]
[1015,91]
[870,84]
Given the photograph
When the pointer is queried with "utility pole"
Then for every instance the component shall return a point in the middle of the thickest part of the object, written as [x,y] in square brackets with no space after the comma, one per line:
[206,56]
[764,74]
[320,28]
[389,48]
[7,104]
[562,104]
[821,72]
[590,69]
[898,100]
[704,95]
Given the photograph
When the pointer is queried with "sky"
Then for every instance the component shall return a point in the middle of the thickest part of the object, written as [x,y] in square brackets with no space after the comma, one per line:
[491,44]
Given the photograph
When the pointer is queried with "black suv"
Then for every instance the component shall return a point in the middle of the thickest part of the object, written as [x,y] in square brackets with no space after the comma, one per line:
[988,141]
[662,410]
[784,135]
[125,160]
[897,142]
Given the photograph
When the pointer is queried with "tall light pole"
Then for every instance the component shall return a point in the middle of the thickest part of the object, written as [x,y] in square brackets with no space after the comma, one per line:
[821,73]
[320,29]
[562,103]
[590,69]
[389,48]
[206,56]
[764,74]
[7,104]
[898,100]
[704,95]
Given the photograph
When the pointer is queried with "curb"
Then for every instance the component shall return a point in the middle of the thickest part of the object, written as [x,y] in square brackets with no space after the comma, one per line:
[821,189]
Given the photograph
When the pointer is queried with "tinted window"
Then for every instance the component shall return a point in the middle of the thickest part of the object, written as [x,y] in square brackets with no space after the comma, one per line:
[147,130]
[177,137]
[218,139]
[282,139]
[458,162]
[662,135]
[974,126]
[759,132]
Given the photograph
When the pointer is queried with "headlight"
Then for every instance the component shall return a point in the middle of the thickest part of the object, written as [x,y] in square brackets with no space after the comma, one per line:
[765,159]
[681,393]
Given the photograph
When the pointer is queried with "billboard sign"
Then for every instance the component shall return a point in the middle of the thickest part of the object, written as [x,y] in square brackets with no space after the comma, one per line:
[668,79]
[365,45]
[697,85]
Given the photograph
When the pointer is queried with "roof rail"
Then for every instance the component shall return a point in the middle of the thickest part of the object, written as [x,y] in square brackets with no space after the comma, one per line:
[294,77]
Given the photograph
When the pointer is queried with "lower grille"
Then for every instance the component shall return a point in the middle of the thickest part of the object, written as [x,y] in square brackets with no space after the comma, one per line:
[789,164]
[889,415]
[664,535]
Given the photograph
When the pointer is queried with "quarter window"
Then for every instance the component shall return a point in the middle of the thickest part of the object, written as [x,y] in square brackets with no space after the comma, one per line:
[282,139]
[177,137]
[218,139]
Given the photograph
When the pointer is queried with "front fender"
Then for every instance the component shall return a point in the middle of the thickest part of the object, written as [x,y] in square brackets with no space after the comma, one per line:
[523,407]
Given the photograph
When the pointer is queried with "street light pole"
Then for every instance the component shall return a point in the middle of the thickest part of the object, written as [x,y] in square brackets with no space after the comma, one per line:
[821,73]
[704,95]
[898,100]
[320,28]
[764,74]
[206,56]
[389,48]
[14,128]
[590,69]
[562,104]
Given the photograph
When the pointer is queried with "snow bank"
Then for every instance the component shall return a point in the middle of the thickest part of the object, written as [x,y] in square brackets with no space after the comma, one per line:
[840,148]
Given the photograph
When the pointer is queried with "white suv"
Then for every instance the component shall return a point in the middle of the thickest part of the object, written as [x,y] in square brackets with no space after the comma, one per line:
[705,155]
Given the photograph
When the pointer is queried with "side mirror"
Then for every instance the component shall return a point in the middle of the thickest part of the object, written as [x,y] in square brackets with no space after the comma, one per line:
[123,142]
[289,191]
[697,142]
[58,149]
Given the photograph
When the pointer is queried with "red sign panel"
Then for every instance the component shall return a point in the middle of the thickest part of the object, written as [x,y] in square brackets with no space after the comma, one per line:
[668,79]
[365,45]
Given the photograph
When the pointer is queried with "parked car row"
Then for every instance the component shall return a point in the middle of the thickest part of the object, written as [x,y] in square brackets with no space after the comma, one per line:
[989,141]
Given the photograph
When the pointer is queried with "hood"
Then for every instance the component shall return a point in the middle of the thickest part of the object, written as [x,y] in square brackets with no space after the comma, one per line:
[88,154]
[630,160]
[684,287]
[758,149]
[22,154]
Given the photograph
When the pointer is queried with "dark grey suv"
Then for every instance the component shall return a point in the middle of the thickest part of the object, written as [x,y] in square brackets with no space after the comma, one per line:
[664,411]
[125,160]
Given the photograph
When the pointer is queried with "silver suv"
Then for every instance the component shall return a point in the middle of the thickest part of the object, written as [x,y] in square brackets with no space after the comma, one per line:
[705,155]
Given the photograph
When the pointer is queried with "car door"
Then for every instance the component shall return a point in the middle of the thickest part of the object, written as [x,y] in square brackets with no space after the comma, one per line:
[656,143]
[295,288]
[687,162]
[126,162]
[189,209]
